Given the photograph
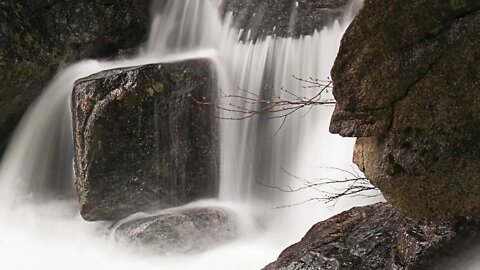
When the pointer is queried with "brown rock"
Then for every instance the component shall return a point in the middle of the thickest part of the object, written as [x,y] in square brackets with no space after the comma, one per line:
[141,142]
[407,79]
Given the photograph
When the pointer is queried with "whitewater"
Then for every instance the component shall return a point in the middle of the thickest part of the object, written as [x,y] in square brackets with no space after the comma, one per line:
[41,227]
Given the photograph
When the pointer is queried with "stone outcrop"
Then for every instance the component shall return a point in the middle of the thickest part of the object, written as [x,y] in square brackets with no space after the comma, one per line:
[141,141]
[181,231]
[406,81]
[377,237]
[38,37]
[282,18]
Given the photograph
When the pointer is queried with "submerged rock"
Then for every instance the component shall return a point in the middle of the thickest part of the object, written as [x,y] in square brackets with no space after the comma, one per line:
[39,37]
[283,18]
[406,80]
[141,141]
[377,237]
[181,231]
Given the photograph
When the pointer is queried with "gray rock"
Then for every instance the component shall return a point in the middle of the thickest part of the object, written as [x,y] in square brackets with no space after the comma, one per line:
[406,79]
[377,237]
[140,140]
[181,231]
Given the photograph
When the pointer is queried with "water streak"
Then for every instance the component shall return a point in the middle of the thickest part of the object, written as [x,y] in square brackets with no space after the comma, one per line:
[38,162]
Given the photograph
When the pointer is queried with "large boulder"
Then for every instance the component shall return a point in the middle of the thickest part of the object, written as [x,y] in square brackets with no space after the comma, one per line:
[406,81]
[377,237]
[38,37]
[141,141]
[180,231]
[283,18]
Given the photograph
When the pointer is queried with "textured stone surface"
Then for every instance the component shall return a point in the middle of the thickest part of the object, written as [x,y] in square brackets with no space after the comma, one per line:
[141,142]
[407,79]
[377,237]
[180,231]
[38,37]
[262,16]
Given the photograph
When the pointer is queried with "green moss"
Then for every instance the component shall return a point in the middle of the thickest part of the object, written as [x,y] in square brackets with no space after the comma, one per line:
[162,170]
[17,39]
[96,26]
[458,4]
[29,40]
[80,38]
[436,31]
[150,91]
[153,166]
[156,88]
[78,7]
[176,77]
[109,12]
[131,101]
[23,71]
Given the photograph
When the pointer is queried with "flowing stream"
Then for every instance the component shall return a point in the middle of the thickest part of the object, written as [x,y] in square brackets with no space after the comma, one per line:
[41,227]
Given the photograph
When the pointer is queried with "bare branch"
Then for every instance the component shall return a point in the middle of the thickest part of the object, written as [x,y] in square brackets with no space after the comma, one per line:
[281,104]
[240,107]
[356,186]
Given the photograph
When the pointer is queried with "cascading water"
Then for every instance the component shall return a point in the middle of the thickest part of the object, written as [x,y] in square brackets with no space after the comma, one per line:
[40,215]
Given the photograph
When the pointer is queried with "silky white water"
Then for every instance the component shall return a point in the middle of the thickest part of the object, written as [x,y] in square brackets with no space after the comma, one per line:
[41,227]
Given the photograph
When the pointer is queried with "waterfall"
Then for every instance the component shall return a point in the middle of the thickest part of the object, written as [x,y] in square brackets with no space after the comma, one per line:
[36,171]
[251,152]
[38,159]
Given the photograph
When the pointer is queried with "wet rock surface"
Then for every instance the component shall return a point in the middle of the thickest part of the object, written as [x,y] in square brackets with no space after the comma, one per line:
[141,142]
[282,18]
[406,80]
[38,37]
[378,237]
[180,231]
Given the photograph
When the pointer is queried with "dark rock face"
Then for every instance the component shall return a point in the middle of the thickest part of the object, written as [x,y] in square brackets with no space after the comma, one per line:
[141,142]
[184,231]
[37,37]
[378,237]
[406,79]
[261,16]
